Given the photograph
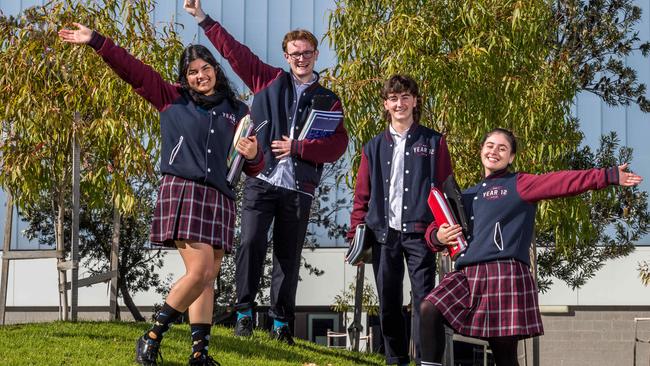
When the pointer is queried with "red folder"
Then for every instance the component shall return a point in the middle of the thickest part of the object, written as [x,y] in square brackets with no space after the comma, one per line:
[443,214]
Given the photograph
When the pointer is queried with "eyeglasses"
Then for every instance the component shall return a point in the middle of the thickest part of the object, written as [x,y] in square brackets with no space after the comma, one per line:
[306,55]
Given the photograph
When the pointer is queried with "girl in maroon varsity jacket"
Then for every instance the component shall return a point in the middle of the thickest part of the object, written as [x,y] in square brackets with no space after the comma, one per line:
[492,294]
[195,210]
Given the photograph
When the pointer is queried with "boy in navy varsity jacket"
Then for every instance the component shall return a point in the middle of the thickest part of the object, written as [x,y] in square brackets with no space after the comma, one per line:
[492,294]
[282,194]
[398,168]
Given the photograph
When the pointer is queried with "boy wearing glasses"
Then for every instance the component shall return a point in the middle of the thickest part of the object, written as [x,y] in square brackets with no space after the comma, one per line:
[283,192]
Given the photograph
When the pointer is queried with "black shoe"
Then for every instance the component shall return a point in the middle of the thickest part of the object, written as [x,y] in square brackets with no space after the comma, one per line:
[244,327]
[147,352]
[283,334]
[203,360]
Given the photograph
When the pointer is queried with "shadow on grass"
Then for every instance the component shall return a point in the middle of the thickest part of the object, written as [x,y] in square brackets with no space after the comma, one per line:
[263,346]
[357,358]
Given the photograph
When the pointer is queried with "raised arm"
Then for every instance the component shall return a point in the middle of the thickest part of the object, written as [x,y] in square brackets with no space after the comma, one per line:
[567,183]
[142,77]
[253,72]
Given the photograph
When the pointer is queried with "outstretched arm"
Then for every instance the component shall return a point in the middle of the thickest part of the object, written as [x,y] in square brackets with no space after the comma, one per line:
[142,77]
[253,72]
[567,183]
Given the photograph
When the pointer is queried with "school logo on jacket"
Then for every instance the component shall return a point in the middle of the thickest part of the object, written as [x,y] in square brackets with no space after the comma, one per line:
[421,149]
[230,117]
[495,193]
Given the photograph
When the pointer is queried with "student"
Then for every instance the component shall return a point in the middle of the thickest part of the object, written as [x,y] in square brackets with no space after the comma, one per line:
[282,194]
[195,210]
[492,294]
[398,168]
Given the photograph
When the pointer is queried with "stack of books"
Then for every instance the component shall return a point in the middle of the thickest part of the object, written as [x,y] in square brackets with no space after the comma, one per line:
[320,124]
[234,160]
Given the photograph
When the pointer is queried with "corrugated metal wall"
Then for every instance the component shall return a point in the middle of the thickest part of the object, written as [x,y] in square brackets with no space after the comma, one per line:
[261,24]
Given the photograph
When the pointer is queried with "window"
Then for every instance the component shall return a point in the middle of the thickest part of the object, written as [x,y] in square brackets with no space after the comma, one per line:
[318,324]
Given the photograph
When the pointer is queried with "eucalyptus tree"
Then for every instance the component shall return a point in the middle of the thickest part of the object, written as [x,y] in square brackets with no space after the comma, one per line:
[50,92]
[483,64]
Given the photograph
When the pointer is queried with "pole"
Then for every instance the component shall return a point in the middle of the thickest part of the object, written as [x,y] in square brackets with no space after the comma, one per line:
[74,280]
[355,329]
[5,261]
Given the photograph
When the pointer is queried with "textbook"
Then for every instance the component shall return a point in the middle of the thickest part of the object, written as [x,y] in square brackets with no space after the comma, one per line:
[447,208]
[361,247]
[320,124]
[234,160]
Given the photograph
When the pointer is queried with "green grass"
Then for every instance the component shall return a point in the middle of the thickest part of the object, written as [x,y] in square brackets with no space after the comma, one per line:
[112,343]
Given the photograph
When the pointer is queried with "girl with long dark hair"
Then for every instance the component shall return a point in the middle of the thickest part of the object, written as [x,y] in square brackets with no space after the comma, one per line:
[195,211]
[492,294]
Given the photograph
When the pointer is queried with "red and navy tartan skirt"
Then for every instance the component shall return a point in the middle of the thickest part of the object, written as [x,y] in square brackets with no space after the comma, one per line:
[492,299]
[187,210]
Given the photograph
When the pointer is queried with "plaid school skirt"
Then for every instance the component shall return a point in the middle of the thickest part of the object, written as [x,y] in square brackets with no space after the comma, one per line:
[187,210]
[493,299]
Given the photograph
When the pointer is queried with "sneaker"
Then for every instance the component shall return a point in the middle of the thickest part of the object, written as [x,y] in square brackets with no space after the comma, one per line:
[147,352]
[283,334]
[203,360]
[244,327]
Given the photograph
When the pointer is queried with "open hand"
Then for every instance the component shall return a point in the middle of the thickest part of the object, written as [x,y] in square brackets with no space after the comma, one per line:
[628,179]
[81,35]
[247,147]
[447,234]
[281,148]
[193,7]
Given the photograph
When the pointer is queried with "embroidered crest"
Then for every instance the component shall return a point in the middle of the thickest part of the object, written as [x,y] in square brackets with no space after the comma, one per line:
[230,117]
[495,193]
[422,149]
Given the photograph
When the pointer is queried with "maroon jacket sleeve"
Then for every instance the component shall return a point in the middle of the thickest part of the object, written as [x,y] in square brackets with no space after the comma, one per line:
[432,240]
[443,163]
[565,183]
[361,196]
[255,166]
[142,77]
[253,72]
[323,150]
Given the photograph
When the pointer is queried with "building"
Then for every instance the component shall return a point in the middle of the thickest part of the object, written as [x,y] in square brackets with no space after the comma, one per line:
[589,326]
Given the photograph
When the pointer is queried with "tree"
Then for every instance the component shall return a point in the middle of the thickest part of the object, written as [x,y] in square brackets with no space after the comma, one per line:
[138,262]
[594,37]
[480,64]
[50,91]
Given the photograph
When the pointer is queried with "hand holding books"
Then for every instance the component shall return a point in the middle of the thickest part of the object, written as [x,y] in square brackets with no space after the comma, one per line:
[244,146]
[322,121]
[360,250]
[449,214]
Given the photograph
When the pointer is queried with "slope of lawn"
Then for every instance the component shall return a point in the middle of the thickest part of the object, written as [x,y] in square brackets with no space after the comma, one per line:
[112,343]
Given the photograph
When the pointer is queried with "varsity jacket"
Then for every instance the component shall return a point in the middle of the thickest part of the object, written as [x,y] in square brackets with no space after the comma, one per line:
[501,210]
[426,164]
[195,141]
[274,104]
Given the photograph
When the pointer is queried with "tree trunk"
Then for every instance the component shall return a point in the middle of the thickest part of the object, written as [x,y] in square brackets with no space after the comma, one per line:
[114,311]
[128,301]
[60,246]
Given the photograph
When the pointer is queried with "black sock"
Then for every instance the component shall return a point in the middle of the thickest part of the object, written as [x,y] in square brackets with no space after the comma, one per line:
[200,339]
[504,350]
[432,332]
[165,317]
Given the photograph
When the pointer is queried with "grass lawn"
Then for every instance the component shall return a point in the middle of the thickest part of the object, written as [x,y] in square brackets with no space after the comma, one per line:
[112,343]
